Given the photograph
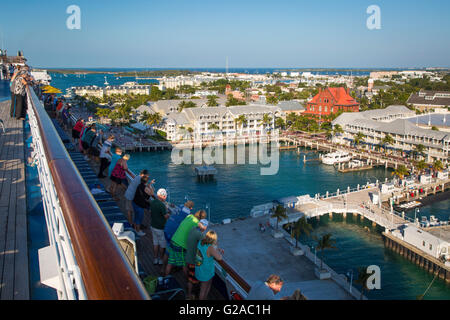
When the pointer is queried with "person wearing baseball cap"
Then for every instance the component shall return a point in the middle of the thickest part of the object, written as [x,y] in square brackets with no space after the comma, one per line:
[159,216]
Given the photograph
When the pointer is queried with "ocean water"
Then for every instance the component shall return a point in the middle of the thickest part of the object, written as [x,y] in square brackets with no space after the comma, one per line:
[237,188]
[66,81]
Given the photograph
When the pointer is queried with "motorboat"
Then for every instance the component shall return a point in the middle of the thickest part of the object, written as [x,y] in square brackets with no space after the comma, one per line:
[336,157]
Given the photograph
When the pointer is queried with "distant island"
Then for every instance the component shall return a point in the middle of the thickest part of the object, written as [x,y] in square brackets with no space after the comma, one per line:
[128,73]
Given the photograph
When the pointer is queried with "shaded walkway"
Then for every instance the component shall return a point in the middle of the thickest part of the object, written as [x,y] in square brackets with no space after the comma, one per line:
[14,275]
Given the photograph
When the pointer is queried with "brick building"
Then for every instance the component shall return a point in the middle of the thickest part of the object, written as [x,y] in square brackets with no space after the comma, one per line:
[331,100]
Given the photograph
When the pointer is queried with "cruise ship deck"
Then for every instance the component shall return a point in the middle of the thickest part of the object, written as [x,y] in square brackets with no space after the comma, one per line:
[14,275]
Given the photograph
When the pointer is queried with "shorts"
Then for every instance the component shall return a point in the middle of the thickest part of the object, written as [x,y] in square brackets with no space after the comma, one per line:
[94,151]
[75,134]
[158,237]
[191,273]
[138,214]
[176,255]
[116,180]
[129,205]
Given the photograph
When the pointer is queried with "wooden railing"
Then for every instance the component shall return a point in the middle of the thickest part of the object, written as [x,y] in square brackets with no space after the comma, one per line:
[104,268]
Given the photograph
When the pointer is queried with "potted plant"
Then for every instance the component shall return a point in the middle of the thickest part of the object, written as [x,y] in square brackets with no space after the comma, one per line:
[300,227]
[322,244]
[279,213]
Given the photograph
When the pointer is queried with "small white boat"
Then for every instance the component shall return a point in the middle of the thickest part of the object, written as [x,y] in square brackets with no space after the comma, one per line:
[336,157]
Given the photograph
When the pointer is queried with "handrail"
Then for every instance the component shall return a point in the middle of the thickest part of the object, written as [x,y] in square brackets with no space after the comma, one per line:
[105,270]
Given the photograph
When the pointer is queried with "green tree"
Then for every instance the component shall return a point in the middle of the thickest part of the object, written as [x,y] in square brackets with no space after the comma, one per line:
[241,121]
[387,140]
[419,150]
[266,120]
[279,213]
[325,243]
[401,171]
[272,100]
[212,101]
[279,123]
[421,165]
[359,138]
[438,166]
[300,227]
[362,279]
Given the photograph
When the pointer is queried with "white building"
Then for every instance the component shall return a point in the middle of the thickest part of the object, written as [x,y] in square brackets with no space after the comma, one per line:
[377,124]
[207,121]
[424,241]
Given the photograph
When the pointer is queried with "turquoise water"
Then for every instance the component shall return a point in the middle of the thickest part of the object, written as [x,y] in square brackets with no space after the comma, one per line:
[237,188]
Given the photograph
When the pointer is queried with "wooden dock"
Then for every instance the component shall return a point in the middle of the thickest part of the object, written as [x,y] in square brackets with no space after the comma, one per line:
[321,144]
[420,258]
[14,275]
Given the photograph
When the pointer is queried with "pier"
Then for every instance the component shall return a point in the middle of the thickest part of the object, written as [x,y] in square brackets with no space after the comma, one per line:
[418,257]
[322,145]
[359,201]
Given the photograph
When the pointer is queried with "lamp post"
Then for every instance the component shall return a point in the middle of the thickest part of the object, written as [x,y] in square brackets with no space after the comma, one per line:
[315,251]
[350,274]
[208,210]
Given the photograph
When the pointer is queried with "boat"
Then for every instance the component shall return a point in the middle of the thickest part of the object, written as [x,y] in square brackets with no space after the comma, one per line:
[106,82]
[41,76]
[336,157]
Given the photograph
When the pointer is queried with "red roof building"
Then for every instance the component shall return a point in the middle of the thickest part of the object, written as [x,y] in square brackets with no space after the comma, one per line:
[331,100]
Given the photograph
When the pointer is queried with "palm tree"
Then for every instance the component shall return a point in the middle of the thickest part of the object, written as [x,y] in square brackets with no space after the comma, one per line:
[325,243]
[419,150]
[279,213]
[359,138]
[401,171]
[266,120]
[387,140]
[181,106]
[421,165]
[212,101]
[241,121]
[363,276]
[279,122]
[300,227]
[438,166]
[213,126]
[337,129]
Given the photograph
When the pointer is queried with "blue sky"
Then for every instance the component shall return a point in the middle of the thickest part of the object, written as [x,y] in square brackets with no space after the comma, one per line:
[197,33]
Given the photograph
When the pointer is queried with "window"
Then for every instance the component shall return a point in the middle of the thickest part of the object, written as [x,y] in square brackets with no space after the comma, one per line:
[423,243]
[431,247]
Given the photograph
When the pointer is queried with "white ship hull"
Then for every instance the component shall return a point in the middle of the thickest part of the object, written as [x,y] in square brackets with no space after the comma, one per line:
[335,158]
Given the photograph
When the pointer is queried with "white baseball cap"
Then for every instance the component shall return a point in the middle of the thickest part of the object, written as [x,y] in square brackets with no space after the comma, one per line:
[162,193]
[204,222]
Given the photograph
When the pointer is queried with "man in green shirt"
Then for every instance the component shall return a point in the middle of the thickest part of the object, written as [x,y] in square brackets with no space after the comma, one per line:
[177,248]
[159,216]
[194,236]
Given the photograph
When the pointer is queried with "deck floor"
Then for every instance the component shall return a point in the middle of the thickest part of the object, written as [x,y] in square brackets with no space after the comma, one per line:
[14,275]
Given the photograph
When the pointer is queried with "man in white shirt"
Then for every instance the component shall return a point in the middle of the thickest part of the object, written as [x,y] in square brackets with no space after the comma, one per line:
[131,192]
[105,155]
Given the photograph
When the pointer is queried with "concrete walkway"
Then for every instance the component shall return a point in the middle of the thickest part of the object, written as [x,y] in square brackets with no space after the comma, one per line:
[256,255]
